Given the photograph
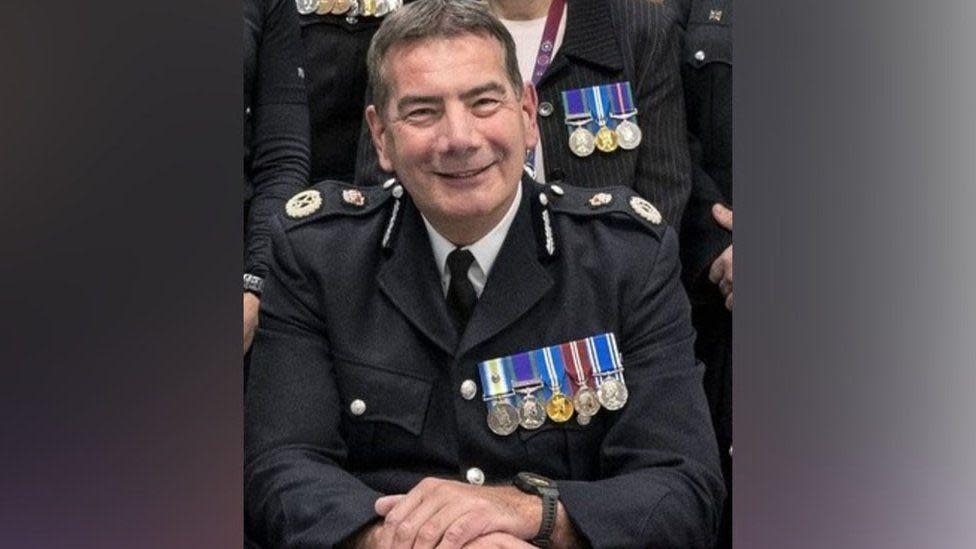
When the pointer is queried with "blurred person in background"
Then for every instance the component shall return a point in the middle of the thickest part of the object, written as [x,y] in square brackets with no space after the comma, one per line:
[706,232]
[275,135]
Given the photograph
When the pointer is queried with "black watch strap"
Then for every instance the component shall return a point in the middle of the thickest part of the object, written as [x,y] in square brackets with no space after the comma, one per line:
[550,503]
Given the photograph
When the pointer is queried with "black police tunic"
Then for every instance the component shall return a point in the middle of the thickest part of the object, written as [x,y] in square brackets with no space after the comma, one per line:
[357,372]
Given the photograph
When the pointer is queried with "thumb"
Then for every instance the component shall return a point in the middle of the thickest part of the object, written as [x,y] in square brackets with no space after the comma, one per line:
[723,216]
[386,504]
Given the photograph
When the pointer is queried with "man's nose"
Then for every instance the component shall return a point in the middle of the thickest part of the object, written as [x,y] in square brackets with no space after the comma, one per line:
[459,131]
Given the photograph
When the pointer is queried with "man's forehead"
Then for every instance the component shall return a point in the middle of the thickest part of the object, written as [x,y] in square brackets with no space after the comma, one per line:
[430,55]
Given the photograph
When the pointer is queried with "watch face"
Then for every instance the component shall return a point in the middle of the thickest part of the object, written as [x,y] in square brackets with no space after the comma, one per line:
[535,480]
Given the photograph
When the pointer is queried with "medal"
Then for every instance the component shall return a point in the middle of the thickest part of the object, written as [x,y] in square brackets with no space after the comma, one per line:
[622,100]
[382,7]
[324,7]
[608,371]
[369,8]
[527,381]
[612,394]
[606,139]
[585,400]
[341,6]
[503,417]
[306,7]
[581,140]
[532,412]
[559,407]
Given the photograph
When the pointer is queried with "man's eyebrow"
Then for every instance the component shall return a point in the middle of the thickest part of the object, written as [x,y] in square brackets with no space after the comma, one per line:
[412,100]
[484,88]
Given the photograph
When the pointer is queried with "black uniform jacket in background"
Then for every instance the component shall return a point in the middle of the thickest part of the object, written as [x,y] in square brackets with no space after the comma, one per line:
[707,74]
[335,53]
[275,121]
[345,319]
[610,41]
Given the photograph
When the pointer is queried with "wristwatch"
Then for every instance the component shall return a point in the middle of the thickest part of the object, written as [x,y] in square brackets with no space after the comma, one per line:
[538,485]
[253,284]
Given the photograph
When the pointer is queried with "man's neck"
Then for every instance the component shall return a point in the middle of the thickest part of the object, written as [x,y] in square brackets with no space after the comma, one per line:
[519,10]
[467,232]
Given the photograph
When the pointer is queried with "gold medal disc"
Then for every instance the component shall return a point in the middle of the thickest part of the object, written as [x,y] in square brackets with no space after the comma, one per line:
[559,408]
[325,7]
[369,8]
[606,140]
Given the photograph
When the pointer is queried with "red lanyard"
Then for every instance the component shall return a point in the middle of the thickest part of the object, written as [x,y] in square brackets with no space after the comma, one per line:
[544,57]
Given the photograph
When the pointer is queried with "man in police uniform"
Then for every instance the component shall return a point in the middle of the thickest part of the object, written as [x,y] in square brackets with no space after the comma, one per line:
[363,422]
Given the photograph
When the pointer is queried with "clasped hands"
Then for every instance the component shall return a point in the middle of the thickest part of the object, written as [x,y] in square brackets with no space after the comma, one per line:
[449,514]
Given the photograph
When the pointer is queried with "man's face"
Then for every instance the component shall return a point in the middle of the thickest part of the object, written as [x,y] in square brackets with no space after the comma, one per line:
[454,130]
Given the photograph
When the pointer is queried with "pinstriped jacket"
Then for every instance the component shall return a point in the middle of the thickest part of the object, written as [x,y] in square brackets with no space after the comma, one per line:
[610,41]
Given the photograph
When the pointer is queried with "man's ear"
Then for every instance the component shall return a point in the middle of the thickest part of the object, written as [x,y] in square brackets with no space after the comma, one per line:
[529,105]
[377,131]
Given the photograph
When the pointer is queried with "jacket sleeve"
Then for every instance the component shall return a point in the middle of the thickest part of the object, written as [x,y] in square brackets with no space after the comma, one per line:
[662,484]
[296,491]
[702,238]
[279,166]
[662,172]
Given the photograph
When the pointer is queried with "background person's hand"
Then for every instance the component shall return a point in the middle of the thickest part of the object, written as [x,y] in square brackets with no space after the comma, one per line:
[721,270]
[251,306]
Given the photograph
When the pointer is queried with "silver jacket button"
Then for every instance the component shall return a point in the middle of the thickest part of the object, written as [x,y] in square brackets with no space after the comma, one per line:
[468,389]
[357,407]
[475,476]
[545,108]
[700,55]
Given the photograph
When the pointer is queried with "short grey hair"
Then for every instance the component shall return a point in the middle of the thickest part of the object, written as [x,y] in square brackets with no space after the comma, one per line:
[436,19]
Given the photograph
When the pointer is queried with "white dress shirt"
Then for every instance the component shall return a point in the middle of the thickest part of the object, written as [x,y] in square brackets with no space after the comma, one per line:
[485,251]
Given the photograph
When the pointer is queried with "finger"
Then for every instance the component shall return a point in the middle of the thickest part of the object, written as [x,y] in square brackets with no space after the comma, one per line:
[466,529]
[411,515]
[434,531]
[386,504]
[728,302]
[717,271]
[723,216]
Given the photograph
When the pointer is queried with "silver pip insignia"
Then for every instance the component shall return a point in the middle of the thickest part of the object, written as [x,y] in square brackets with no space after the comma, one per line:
[645,209]
[354,197]
[304,204]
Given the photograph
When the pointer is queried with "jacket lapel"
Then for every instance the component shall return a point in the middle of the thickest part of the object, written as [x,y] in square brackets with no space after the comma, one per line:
[517,280]
[410,279]
[589,38]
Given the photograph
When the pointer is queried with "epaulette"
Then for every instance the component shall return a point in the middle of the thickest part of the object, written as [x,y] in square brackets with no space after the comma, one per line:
[332,198]
[620,202]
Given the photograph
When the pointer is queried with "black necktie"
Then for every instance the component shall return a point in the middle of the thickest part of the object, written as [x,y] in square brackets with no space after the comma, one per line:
[461,297]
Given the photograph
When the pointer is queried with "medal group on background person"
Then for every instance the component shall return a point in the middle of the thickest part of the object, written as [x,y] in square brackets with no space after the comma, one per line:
[631,94]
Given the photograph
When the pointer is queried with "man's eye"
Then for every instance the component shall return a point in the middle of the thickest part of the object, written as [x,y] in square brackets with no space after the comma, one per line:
[420,115]
[486,104]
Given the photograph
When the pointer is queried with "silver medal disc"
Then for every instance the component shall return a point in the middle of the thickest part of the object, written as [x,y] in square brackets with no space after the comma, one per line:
[503,419]
[628,135]
[306,7]
[586,402]
[612,394]
[582,142]
[532,412]
[382,7]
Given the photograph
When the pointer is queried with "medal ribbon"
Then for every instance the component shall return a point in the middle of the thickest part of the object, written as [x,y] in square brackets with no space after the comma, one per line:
[526,374]
[544,56]
[622,100]
[495,368]
[603,356]
[596,100]
[576,106]
[577,373]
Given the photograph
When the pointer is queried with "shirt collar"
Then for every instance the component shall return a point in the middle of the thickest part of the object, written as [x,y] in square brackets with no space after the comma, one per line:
[485,250]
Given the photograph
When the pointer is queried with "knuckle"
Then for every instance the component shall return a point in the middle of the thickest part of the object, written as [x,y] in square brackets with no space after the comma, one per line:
[429,533]
[404,531]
